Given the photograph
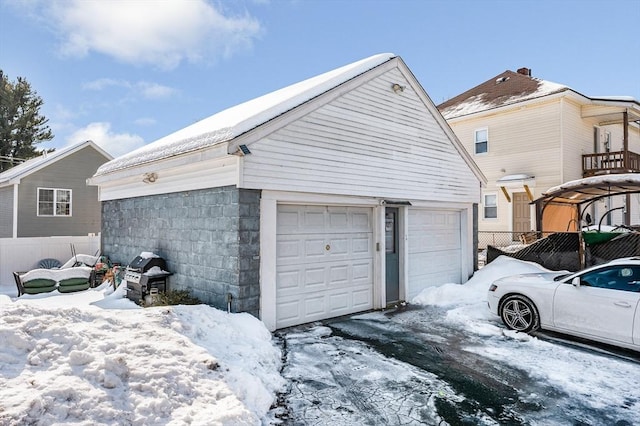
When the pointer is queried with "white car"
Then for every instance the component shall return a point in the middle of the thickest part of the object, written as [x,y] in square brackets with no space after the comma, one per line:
[601,303]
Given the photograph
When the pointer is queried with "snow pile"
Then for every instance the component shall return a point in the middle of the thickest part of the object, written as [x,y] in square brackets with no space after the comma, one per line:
[475,290]
[148,255]
[467,303]
[166,365]
[155,270]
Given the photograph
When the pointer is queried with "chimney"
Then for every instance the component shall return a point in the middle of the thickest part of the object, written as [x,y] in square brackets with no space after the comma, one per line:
[525,71]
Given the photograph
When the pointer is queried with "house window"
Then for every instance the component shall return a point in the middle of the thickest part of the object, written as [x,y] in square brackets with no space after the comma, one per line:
[481,140]
[54,202]
[490,206]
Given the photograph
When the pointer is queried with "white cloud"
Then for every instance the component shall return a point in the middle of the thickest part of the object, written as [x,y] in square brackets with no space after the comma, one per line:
[162,33]
[115,144]
[145,121]
[154,90]
[105,83]
[146,89]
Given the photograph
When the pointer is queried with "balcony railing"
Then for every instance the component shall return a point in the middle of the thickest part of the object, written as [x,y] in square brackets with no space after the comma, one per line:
[610,162]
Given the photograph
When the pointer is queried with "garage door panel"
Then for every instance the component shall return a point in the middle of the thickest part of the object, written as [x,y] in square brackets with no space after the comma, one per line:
[324,262]
[313,248]
[434,242]
[445,260]
[362,298]
[361,220]
[435,249]
[288,280]
[339,220]
[314,278]
[305,248]
[290,250]
[337,247]
[288,311]
[339,274]
[362,245]
[317,219]
[363,271]
[314,305]
[339,302]
[448,265]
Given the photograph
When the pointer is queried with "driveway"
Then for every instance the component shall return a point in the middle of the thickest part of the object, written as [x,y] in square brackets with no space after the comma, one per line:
[419,365]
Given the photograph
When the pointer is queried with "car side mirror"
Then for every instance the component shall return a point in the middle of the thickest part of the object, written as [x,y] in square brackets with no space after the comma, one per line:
[576,281]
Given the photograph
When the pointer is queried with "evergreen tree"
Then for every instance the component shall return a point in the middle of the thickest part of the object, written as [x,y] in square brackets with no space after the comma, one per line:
[21,125]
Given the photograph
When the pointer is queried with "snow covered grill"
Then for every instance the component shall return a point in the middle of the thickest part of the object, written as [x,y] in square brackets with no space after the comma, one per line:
[143,274]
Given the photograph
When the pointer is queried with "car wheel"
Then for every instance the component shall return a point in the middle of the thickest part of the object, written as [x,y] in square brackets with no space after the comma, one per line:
[519,313]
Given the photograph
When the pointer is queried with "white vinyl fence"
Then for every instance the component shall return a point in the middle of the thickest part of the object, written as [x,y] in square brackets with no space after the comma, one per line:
[23,254]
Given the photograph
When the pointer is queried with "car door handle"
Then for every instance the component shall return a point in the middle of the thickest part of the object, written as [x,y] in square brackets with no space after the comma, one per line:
[622,304]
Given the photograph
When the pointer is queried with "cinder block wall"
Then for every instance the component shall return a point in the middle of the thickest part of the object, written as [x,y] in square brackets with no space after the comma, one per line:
[210,239]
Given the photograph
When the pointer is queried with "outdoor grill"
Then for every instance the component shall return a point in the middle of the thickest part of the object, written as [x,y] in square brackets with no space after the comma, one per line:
[140,281]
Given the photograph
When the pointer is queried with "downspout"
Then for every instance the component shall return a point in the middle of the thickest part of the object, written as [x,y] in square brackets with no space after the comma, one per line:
[562,140]
[15,210]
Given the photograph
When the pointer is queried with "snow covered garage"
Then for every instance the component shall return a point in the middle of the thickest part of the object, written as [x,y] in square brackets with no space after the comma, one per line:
[342,193]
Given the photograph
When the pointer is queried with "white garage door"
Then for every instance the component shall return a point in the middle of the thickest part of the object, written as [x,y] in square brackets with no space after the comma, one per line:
[324,262]
[435,249]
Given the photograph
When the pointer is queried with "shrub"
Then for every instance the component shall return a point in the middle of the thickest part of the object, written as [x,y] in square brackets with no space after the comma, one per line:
[176,297]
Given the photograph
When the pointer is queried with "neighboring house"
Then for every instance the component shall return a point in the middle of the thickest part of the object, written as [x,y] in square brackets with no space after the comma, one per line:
[49,196]
[528,135]
[339,194]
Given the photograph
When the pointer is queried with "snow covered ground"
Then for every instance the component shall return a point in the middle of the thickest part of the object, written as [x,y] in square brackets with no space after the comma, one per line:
[95,358]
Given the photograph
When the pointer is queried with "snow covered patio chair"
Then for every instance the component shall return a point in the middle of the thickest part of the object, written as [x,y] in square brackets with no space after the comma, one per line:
[81,260]
[47,280]
[35,281]
[73,279]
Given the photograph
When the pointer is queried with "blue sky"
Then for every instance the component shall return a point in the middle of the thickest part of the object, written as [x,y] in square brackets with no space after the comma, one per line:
[125,73]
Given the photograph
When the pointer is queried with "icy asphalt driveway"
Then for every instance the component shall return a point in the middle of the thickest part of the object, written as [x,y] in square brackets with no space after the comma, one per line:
[416,366]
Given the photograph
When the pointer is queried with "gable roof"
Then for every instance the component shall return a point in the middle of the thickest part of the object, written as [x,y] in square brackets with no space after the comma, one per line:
[34,164]
[232,122]
[504,89]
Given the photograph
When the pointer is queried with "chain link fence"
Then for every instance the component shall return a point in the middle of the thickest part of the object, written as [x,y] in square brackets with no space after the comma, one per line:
[559,250]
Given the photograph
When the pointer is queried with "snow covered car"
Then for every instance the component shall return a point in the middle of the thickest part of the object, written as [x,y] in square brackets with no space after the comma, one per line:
[601,303]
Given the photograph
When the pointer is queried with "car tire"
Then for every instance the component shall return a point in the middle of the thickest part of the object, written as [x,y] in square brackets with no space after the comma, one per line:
[519,313]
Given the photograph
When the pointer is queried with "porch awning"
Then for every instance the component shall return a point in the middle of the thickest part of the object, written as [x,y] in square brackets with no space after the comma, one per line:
[521,180]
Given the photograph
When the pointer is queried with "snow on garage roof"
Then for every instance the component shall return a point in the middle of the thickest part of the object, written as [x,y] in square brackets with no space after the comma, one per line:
[232,122]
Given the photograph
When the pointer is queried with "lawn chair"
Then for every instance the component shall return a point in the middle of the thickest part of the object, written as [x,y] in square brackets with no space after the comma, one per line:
[47,280]
[35,281]
[74,279]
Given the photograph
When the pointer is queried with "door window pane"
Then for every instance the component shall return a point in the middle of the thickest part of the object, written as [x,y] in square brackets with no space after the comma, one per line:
[390,232]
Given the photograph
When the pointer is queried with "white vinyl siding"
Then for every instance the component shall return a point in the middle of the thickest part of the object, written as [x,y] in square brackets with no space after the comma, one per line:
[522,141]
[364,143]
[577,139]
